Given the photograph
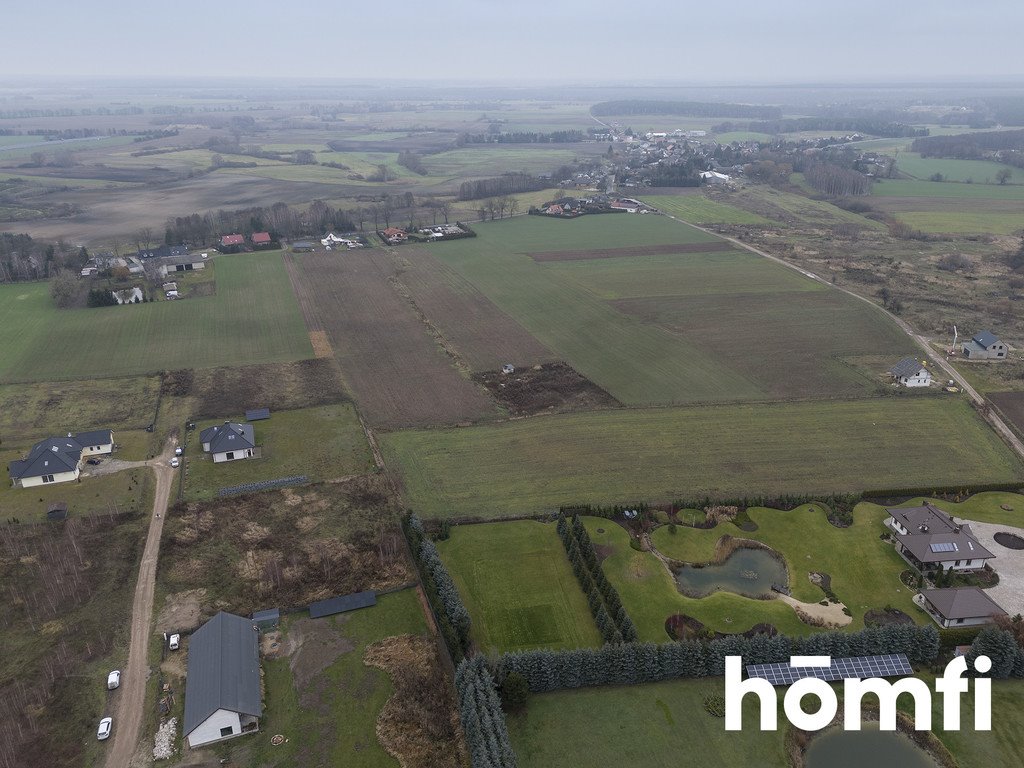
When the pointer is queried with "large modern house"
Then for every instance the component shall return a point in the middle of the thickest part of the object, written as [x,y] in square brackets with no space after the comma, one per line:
[964,607]
[59,459]
[929,539]
[228,441]
[985,345]
[222,688]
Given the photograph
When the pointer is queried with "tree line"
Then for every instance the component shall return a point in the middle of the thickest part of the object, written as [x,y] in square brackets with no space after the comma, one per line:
[969,146]
[483,720]
[835,181]
[869,125]
[525,137]
[602,598]
[506,184]
[685,109]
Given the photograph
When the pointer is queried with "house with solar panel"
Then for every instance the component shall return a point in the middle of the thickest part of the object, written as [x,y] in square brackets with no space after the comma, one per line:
[229,442]
[911,373]
[963,607]
[985,345]
[59,459]
[222,687]
[929,539]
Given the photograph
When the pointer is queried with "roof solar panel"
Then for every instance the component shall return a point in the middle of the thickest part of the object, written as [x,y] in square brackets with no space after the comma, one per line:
[841,668]
[943,546]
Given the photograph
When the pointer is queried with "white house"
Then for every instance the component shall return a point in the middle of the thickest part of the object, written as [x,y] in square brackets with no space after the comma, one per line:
[222,686]
[714,177]
[929,539]
[228,442]
[911,373]
[964,607]
[59,459]
[128,295]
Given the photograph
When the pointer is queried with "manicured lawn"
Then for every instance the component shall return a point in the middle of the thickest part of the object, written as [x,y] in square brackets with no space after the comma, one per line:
[660,725]
[341,703]
[1001,747]
[518,586]
[253,317]
[864,569]
[700,210]
[984,507]
[537,464]
[322,443]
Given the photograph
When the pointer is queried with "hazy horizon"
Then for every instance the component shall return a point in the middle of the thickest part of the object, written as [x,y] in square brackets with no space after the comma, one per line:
[786,42]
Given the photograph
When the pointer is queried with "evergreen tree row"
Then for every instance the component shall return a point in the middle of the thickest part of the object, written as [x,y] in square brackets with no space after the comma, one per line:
[632,663]
[441,591]
[609,614]
[483,720]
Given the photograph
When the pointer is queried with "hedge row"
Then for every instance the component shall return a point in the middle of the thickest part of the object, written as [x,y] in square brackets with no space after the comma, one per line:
[609,614]
[483,720]
[444,597]
[939,491]
[784,502]
[633,663]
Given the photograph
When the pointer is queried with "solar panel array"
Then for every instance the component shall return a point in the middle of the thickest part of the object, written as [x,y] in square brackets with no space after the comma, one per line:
[944,546]
[859,667]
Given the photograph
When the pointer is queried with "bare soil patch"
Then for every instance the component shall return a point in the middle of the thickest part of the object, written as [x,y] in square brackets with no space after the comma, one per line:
[680,626]
[1011,405]
[634,250]
[312,646]
[548,388]
[182,611]
[419,724]
[882,617]
[394,367]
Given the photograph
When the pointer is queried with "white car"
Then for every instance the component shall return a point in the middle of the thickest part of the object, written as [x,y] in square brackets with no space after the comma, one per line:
[113,679]
[174,642]
[175,462]
[106,726]
[178,451]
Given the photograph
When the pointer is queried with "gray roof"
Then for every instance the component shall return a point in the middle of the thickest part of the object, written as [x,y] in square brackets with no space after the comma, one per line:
[57,454]
[228,437]
[95,437]
[334,605]
[934,537]
[257,414]
[223,670]
[906,368]
[171,261]
[963,603]
[985,338]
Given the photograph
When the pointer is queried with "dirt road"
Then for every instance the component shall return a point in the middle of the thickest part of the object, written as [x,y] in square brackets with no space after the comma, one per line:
[132,697]
[924,342]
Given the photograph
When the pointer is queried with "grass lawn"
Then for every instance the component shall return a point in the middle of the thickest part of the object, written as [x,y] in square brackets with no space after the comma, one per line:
[490,161]
[864,569]
[659,725]
[984,507]
[323,443]
[335,715]
[899,188]
[518,586]
[965,222]
[700,210]
[254,317]
[664,454]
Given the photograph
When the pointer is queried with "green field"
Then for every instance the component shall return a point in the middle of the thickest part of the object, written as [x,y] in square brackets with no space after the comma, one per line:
[965,222]
[322,443]
[663,454]
[698,209]
[661,725]
[978,171]
[495,160]
[864,569]
[254,317]
[518,586]
[901,188]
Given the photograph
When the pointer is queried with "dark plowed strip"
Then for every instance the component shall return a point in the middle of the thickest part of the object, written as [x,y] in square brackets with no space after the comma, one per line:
[636,250]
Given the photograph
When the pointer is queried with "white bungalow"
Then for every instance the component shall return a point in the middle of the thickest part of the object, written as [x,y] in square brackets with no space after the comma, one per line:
[59,459]
[911,373]
[229,442]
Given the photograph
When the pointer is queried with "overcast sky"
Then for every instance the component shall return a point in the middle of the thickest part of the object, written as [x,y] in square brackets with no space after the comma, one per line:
[559,40]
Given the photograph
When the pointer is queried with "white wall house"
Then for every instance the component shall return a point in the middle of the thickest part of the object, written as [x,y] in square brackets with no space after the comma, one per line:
[911,373]
[964,607]
[222,724]
[929,539]
[229,442]
[59,459]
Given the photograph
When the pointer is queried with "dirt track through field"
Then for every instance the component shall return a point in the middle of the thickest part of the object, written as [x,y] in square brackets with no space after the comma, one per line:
[635,250]
[131,698]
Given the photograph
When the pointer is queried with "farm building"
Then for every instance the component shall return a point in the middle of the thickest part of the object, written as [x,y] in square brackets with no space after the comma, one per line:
[911,373]
[59,459]
[303,246]
[985,345]
[229,442]
[394,235]
[128,295]
[181,264]
[929,539]
[266,620]
[261,240]
[231,243]
[222,686]
[964,607]
[163,252]
[714,177]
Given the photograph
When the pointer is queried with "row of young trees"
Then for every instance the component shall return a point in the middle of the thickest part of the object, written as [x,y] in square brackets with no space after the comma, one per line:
[835,181]
[524,137]
[609,614]
[633,663]
[507,184]
[969,146]
[685,109]
[483,720]
[452,616]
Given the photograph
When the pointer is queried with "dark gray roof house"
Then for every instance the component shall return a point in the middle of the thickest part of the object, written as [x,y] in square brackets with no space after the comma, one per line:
[928,537]
[960,607]
[48,459]
[222,687]
[227,437]
[985,345]
[906,368]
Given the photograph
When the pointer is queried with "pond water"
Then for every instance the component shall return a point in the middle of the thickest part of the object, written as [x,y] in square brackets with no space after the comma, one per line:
[869,747]
[749,572]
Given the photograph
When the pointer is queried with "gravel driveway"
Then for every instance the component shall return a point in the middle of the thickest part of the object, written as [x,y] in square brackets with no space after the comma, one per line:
[1008,563]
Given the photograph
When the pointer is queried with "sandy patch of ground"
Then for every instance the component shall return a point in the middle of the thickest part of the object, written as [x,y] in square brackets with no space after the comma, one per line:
[182,611]
[312,646]
[831,614]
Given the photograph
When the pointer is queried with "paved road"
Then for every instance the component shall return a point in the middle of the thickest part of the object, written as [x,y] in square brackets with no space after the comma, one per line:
[131,699]
[924,342]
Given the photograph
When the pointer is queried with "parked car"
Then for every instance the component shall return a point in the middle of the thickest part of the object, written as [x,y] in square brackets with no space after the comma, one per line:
[175,462]
[178,451]
[174,642]
[93,462]
[106,726]
[113,679]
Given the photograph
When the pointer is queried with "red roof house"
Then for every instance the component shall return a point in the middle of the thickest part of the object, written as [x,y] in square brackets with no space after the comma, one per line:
[261,238]
[232,240]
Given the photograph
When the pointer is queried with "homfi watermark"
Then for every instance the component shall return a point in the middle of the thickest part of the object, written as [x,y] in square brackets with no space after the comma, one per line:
[951,685]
